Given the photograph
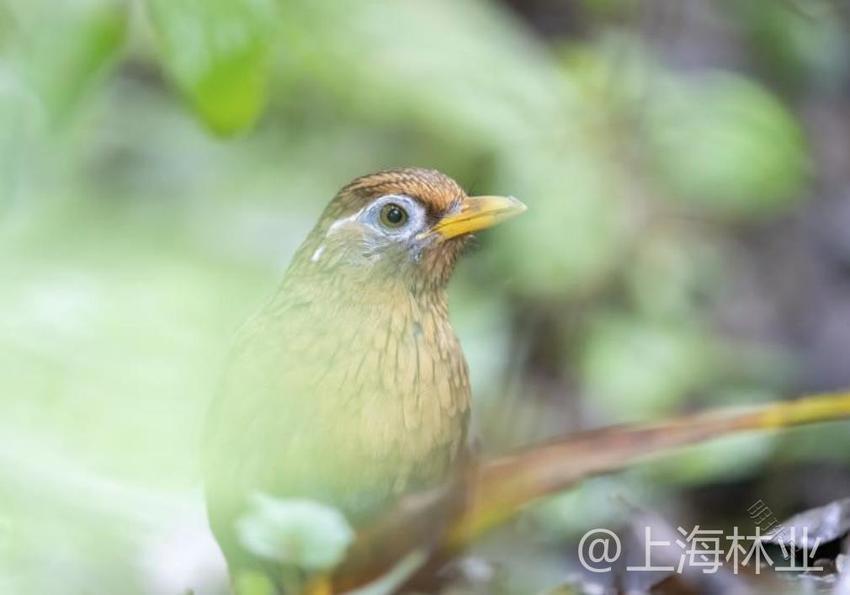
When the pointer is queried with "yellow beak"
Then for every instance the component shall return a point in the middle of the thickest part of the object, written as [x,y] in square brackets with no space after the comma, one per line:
[477,213]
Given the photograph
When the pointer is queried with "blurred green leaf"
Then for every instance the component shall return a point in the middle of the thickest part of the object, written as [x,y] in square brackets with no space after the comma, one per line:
[637,369]
[726,144]
[576,223]
[803,44]
[64,47]
[217,51]
[605,501]
[487,83]
[671,276]
[304,533]
[726,459]
[15,112]
[7,24]
[253,582]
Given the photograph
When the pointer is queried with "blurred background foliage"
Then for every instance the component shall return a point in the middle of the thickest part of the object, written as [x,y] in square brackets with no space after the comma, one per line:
[687,169]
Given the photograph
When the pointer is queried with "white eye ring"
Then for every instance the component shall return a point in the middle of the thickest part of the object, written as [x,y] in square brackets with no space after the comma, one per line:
[396,215]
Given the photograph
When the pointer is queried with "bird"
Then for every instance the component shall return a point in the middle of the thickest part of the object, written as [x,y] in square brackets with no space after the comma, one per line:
[349,387]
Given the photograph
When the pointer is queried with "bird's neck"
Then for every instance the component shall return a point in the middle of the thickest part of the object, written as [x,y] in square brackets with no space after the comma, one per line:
[380,286]
[354,299]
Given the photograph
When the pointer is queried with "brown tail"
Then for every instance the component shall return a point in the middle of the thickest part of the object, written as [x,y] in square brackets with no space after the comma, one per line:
[494,491]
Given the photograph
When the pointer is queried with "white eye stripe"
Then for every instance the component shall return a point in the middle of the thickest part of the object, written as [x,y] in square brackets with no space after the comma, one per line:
[341,222]
[370,215]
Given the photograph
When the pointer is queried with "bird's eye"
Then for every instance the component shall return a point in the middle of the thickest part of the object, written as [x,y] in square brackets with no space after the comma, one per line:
[393,216]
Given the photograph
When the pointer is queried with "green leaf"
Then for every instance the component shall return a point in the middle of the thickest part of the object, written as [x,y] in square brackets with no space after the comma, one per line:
[727,144]
[637,369]
[803,46]
[303,533]
[253,582]
[217,52]
[65,47]
[15,115]
[726,459]
[575,225]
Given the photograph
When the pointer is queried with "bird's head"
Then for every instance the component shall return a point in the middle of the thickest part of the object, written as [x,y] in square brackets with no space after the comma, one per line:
[405,224]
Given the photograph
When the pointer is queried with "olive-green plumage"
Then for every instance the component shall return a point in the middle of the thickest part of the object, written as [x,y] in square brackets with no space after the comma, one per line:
[349,387]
